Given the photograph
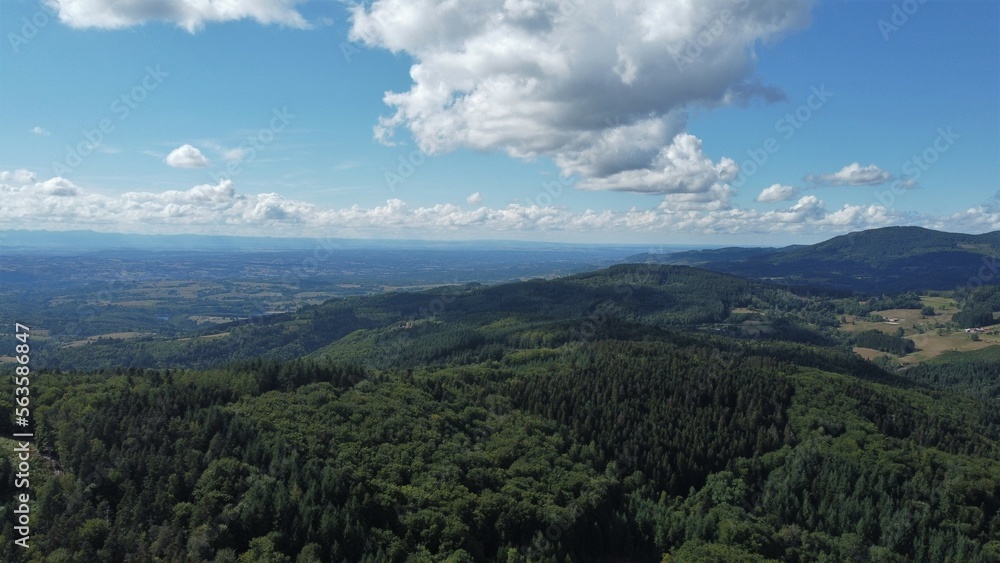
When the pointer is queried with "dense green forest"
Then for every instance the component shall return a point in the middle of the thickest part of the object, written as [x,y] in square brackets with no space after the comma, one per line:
[978,306]
[628,414]
[879,340]
[643,295]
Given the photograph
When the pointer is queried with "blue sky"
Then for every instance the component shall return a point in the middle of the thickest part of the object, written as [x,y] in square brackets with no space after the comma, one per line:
[673,122]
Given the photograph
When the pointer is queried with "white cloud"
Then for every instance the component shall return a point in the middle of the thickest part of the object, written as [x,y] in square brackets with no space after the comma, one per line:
[19,177]
[854,175]
[976,219]
[186,156]
[602,88]
[474,199]
[680,168]
[58,203]
[716,198]
[234,155]
[190,15]
[860,216]
[220,208]
[58,187]
[39,131]
[778,192]
[620,147]
[808,208]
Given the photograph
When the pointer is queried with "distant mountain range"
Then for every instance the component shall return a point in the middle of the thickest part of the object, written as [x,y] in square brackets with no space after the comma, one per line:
[89,241]
[890,259]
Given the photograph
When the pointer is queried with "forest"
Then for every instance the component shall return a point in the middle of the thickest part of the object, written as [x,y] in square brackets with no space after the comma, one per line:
[637,413]
[882,260]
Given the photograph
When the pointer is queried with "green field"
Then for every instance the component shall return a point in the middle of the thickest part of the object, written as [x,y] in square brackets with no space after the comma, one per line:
[932,335]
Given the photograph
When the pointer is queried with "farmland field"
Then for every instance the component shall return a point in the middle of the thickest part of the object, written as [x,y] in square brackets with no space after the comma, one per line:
[932,335]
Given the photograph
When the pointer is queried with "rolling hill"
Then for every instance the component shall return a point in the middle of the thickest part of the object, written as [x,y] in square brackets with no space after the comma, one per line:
[891,259]
[646,295]
[626,414]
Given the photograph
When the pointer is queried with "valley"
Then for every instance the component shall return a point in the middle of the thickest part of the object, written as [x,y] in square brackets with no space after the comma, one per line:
[932,335]
[635,411]
[531,281]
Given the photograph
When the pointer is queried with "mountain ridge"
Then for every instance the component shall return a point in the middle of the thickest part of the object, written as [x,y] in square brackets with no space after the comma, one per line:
[888,259]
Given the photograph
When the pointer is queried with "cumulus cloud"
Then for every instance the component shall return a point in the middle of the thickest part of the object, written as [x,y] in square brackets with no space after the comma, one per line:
[28,203]
[207,207]
[39,131]
[680,168]
[601,88]
[192,16]
[56,202]
[778,192]
[58,187]
[19,177]
[862,215]
[186,156]
[716,198]
[808,208]
[474,199]
[853,175]
[980,218]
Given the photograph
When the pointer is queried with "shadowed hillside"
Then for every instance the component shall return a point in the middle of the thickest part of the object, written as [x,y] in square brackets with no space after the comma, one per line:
[892,259]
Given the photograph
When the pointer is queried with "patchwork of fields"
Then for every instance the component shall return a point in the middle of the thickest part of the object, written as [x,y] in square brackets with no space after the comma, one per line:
[932,335]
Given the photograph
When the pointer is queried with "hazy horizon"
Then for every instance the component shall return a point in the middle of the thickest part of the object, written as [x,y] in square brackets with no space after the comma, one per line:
[758,123]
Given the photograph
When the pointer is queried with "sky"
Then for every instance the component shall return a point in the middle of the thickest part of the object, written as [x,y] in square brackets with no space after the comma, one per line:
[713,122]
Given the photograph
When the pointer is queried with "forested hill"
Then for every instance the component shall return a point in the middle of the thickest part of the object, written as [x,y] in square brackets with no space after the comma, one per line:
[666,294]
[640,413]
[881,247]
[890,259]
[639,295]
